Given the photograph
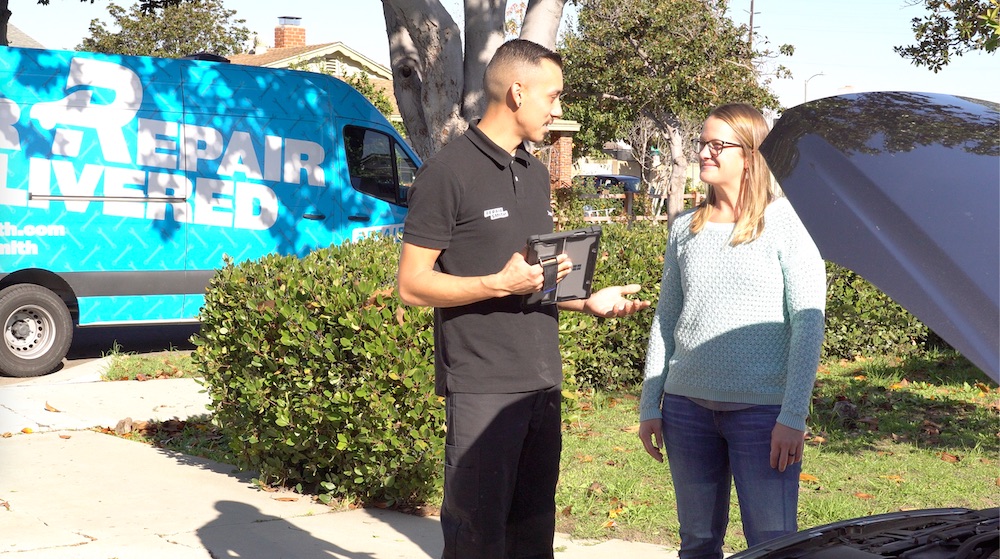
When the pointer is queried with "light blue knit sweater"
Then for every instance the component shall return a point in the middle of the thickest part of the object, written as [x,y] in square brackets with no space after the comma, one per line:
[738,324]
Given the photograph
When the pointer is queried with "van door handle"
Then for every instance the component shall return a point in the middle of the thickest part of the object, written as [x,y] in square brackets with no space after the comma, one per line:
[359,218]
[317,217]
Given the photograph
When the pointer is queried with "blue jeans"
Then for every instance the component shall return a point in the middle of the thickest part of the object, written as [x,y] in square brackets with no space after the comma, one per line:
[707,450]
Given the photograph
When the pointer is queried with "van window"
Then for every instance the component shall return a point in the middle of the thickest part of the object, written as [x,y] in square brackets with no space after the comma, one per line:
[407,171]
[377,165]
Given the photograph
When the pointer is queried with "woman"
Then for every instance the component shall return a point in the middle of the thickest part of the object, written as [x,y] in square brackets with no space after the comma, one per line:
[734,345]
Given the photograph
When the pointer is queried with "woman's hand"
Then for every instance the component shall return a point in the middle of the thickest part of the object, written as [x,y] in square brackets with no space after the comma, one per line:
[651,435]
[786,446]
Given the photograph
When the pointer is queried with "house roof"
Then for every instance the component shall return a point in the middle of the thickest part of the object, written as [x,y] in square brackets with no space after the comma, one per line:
[283,57]
[18,38]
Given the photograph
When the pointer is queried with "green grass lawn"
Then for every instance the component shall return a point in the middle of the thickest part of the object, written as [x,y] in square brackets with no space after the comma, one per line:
[885,435]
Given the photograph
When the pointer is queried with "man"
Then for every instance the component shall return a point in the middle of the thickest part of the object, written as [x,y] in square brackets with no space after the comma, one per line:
[497,363]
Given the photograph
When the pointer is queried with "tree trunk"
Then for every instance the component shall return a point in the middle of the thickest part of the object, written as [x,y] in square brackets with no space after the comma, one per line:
[484,21]
[425,52]
[678,173]
[5,14]
[437,91]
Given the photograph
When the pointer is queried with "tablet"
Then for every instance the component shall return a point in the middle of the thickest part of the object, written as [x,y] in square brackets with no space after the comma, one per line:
[581,245]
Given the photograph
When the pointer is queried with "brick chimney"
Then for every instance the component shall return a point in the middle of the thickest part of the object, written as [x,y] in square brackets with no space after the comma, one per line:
[289,32]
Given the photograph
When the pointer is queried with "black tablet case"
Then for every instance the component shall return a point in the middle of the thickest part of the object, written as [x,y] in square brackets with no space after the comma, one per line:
[581,245]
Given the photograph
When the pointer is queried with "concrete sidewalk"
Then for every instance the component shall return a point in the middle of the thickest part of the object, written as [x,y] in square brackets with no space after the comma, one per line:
[67,492]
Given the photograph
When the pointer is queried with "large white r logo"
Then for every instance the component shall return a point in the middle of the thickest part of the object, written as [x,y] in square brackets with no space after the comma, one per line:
[78,109]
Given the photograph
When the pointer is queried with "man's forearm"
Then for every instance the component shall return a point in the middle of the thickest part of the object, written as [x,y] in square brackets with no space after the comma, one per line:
[436,289]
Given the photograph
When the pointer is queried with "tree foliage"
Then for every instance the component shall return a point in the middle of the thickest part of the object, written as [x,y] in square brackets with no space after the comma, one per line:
[673,59]
[147,6]
[171,31]
[669,62]
[952,28]
[378,97]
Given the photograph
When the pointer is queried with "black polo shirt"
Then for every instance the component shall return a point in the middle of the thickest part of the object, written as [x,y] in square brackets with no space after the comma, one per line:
[478,204]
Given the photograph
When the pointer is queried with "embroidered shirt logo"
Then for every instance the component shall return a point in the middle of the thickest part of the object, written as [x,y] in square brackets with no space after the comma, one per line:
[495,213]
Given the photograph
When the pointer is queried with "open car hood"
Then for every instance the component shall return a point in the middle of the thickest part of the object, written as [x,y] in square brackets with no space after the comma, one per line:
[904,189]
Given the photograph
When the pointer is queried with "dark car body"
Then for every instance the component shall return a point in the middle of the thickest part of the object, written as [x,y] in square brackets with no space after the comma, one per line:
[921,534]
[611,183]
[904,189]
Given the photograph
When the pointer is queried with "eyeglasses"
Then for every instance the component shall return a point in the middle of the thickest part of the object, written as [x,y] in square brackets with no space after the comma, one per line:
[715,147]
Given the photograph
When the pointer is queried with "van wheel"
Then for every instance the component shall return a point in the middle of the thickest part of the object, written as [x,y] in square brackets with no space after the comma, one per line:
[37,330]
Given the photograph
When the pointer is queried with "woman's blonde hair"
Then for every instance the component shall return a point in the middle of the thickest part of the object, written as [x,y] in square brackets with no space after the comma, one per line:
[756,190]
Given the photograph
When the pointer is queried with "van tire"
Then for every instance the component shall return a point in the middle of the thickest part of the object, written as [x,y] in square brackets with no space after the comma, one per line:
[37,330]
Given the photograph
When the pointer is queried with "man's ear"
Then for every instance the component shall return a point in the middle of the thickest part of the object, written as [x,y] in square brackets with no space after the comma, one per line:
[516,91]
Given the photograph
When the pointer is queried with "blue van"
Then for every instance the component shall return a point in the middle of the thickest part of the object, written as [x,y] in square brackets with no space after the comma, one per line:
[125,180]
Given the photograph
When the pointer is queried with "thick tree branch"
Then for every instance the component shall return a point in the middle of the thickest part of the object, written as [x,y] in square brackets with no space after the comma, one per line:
[541,21]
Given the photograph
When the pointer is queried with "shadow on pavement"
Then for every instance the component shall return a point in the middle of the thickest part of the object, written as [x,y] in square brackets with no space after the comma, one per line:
[227,536]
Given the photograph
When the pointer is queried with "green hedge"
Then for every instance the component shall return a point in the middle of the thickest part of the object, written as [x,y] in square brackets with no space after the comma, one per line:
[609,353]
[323,380]
[321,377]
[861,320]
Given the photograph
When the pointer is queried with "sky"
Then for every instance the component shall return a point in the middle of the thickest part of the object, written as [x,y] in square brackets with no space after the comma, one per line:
[849,42]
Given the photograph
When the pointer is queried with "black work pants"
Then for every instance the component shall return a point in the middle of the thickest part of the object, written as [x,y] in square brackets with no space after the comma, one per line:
[501,468]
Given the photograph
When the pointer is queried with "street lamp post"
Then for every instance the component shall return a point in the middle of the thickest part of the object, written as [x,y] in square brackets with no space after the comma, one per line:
[805,87]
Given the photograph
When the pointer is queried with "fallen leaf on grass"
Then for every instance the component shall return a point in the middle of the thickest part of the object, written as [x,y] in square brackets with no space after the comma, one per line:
[48,407]
[631,429]
[930,428]
[860,495]
[609,524]
[897,479]
[613,513]
[808,478]
[901,384]
[124,426]
[950,458]
[871,422]
[595,488]
[568,511]
[585,458]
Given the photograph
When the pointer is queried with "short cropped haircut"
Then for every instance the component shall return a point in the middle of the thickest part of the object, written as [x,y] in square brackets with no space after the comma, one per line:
[509,59]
